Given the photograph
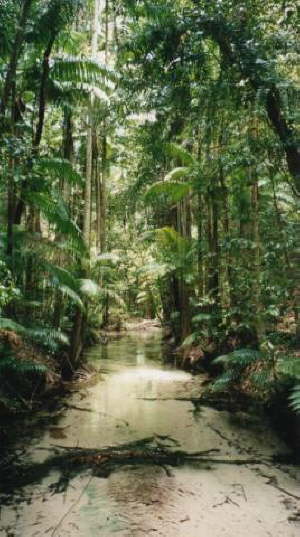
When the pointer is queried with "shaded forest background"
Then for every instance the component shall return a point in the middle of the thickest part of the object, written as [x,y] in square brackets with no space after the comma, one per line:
[150,168]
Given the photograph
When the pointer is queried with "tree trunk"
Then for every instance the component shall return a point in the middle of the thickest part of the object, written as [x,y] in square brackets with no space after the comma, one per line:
[42,95]
[90,133]
[10,78]
[256,287]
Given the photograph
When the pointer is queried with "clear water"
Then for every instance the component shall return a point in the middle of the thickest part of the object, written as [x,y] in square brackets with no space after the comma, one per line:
[135,397]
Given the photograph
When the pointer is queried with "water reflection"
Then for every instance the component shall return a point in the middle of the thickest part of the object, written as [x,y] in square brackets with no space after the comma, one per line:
[139,397]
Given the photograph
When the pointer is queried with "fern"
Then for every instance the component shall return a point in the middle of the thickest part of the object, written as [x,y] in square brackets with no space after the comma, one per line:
[66,283]
[10,364]
[295,399]
[261,379]
[48,337]
[225,380]
[239,359]
[289,366]
[235,364]
[9,324]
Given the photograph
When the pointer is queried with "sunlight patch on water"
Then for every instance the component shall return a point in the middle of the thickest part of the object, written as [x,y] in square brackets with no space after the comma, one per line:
[159,375]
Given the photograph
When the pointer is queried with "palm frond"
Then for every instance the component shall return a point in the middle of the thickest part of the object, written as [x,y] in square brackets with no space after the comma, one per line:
[55,211]
[78,70]
[180,153]
[172,190]
[88,287]
[66,283]
[178,173]
[58,168]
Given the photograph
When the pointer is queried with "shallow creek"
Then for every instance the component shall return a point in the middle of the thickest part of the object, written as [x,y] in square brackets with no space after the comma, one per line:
[137,396]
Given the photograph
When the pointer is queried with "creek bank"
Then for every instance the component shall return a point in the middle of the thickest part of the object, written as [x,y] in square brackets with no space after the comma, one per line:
[240,395]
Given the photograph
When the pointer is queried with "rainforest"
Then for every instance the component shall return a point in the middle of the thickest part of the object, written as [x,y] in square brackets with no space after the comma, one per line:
[149,268]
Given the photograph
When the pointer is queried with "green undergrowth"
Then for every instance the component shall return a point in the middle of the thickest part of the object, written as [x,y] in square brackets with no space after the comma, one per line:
[262,374]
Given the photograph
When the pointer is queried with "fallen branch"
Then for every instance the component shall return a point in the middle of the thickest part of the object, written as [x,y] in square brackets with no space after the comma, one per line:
[70,461]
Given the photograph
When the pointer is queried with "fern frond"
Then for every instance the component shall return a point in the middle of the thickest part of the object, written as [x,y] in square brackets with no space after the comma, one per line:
[10,364]
[9,324]
[261,379]
[66,283]
[47,337]
[240,358]
[289,366]
[224,381]
[62,276]
[295,399]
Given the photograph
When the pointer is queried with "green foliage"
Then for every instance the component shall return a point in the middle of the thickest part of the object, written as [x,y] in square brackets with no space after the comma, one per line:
[235,366]
[62,169]
[295,399]
[20,380]
[170,191]
[8,290]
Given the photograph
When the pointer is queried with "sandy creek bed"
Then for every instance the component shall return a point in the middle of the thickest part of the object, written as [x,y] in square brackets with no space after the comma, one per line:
[135,399]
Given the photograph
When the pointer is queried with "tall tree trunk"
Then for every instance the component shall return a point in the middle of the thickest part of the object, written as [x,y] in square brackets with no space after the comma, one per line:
[42,95]
[10,78]
[214,250]
[90,129]
[256,286]
[103,195]
[79,322]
